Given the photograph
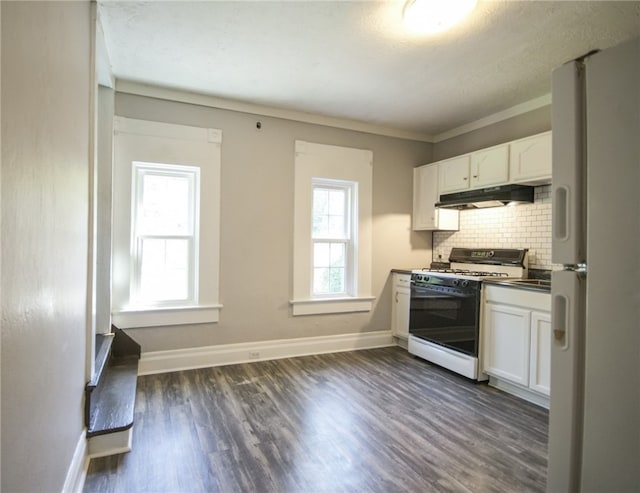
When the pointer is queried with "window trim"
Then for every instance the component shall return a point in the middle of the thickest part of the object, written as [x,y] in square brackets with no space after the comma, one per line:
[331,163]
[155,142]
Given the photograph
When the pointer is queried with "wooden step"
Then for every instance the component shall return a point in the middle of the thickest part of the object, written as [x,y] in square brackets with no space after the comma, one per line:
[111,394]
[114,398]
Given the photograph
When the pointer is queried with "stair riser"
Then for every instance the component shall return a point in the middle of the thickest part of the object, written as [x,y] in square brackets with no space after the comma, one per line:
[110,444]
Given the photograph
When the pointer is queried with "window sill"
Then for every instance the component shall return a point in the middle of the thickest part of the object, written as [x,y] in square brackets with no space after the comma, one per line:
[332,305]
[155,317]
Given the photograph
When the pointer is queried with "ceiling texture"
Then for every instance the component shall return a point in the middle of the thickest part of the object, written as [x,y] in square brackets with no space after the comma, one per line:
[353,60]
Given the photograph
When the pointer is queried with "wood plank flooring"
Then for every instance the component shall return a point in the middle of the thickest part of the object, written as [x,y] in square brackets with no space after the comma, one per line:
[377,420]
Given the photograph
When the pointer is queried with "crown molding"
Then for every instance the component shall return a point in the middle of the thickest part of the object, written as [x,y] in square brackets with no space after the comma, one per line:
[159,92]
[140,89]
[516,110]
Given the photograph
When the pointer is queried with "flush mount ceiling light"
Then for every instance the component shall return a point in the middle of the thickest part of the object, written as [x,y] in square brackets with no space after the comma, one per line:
[432,16]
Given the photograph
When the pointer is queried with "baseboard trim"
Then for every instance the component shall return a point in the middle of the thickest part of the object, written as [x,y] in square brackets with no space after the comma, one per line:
[527,395]
[77,472]
[229,354]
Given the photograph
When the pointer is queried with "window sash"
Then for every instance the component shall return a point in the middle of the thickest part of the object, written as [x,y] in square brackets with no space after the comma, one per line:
[329,269]
[347,239]
[140,278]
[140,293]
[345,217]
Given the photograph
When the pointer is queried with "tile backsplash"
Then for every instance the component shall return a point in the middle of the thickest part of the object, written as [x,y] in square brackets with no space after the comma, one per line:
[520,226]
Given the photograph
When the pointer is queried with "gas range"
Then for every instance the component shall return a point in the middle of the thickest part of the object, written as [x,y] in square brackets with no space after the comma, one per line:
[444,320]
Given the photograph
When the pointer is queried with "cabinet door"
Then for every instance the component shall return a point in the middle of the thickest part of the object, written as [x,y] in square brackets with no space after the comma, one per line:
[425,195]
[400,305]
[426,216]
[506,342]
[402,299]
[540,365]
[454,174]
[490,167]
[530,160]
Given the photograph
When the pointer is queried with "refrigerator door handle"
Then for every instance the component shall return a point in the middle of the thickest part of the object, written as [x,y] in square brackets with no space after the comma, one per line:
[560,321]
[561,219]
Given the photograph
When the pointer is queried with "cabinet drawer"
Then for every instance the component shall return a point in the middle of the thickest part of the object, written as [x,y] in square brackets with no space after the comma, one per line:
[517,297]
[402,280]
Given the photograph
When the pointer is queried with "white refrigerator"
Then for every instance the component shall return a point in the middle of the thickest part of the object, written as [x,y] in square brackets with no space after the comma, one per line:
[594,419]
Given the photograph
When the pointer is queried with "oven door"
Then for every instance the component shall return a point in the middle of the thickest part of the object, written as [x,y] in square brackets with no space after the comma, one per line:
[446,316]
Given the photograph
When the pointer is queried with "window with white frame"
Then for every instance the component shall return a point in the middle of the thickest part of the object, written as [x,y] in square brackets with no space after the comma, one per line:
[333,226]
[166,233]
[332,229]
[164,239]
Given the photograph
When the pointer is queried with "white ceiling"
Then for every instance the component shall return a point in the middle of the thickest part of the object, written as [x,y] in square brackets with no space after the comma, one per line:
[352,59]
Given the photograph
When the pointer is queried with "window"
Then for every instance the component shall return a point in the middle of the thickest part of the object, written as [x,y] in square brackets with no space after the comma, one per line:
[166,233]
[332,230]
[332,237]
[164,239]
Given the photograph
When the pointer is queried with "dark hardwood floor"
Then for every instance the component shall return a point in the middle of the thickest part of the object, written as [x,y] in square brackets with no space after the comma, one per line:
[378,420]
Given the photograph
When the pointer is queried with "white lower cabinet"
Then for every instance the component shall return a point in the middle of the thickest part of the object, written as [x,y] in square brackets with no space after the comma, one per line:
[401,297]
[507,342]
[540,362]
[516,339]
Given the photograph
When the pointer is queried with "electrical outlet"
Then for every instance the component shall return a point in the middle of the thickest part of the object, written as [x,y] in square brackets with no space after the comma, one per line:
[254,354]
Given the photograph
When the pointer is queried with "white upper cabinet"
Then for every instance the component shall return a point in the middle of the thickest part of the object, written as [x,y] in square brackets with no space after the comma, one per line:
[490,167]
[479,169]
[426,216]
[525,161]
[530,160]
[454,174]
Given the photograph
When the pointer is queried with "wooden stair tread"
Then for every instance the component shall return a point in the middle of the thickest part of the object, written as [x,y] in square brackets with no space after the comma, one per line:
[111,395]
[114,399]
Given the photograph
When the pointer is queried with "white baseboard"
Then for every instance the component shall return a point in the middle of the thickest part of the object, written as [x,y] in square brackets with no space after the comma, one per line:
[77,472]
[526,394]
[110,443]
[229,354]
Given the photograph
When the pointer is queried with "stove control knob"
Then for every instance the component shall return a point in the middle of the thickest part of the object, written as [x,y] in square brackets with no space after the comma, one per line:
[425,279]
[464,283]
[456,282]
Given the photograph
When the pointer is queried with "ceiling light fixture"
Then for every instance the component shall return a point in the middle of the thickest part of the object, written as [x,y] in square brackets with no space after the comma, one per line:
[432,16]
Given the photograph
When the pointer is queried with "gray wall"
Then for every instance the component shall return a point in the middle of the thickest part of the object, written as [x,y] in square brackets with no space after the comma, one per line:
[45,125]
[533,122]
[257,225]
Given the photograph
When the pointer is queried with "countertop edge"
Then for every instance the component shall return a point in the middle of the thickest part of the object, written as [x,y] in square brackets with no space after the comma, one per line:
[527,287]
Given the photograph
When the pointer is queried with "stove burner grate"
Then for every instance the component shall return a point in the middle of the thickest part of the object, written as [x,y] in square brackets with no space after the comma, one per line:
[467,272]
